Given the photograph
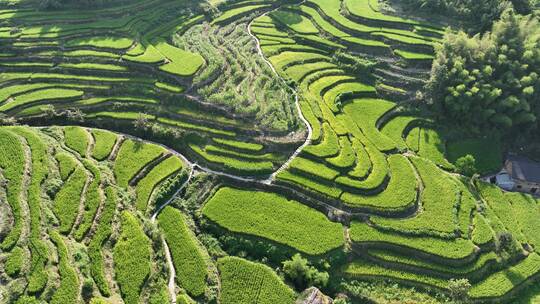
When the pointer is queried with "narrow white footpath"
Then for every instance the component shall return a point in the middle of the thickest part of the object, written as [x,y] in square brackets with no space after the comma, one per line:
[172,271]
[296,101]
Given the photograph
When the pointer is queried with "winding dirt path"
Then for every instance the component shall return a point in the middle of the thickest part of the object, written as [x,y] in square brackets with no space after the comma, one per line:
[26,180]
[172,271]
[296,101]
[156,213]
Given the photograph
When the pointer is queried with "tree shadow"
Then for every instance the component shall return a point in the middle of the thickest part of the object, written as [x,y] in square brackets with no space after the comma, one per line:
[437,144]
[287,18]
[515,277]
[137,145]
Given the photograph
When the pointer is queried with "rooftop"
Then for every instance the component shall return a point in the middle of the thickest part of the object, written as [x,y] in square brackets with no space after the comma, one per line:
[524,169]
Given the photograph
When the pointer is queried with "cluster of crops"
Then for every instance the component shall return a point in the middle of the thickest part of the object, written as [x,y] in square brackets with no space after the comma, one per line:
[274,217]
[237,78]
[49,173]
[132,259]
[247,282]
[68,291]
[188,258]
[12,163]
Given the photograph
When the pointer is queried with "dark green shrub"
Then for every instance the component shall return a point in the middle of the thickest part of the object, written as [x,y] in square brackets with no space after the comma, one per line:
[489,83]
[15,262]
[303,275]
[466,165]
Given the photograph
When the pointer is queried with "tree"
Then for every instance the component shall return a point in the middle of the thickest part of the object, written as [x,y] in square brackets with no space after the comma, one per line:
[506,246]
[303,274]
[74,115]
[523,7]
[49,111]
[340,301]
[296,269]
[50,4]
[141,122]
[459,290]
[466,165]
[7,120]
[87,289]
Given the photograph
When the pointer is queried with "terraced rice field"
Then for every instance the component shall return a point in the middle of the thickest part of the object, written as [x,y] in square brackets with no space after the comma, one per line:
[81,202]
[204,141]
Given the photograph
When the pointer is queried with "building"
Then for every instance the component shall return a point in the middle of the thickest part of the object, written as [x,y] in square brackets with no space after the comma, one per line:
[519,174]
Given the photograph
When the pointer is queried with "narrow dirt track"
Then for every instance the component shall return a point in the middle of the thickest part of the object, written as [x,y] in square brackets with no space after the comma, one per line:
[297,103]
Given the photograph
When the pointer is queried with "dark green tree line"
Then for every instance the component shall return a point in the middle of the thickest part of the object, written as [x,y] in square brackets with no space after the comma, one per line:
[490,82]
[479,13]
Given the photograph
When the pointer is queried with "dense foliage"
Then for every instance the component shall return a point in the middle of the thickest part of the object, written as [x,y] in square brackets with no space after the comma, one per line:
[490,82]
[480,13]
[466,165]
[303,274]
